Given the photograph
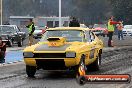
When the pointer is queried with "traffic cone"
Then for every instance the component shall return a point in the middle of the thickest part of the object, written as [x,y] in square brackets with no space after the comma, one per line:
[81,70]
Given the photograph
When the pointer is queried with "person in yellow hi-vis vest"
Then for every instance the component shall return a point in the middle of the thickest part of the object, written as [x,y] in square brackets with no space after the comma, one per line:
[31,29]
[111,30]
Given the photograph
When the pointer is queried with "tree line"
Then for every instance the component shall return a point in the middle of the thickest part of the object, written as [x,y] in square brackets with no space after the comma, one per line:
[87,11]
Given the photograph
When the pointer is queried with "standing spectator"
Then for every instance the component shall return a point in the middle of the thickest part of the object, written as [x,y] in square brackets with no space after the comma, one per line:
[120,33]
[6,23]
[74,23]
[2,51]
[111,30]
[31,29]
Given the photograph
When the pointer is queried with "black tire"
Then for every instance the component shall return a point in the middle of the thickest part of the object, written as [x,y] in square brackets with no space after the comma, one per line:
[30,70]
[81,80]
[20,43]
[100,57]
[94,66]
[10,43]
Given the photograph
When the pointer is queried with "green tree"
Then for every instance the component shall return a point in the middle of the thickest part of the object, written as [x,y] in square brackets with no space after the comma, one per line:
[122,10]
[93,11]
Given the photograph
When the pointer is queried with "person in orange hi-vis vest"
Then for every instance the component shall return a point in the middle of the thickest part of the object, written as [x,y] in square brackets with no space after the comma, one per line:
[120,33]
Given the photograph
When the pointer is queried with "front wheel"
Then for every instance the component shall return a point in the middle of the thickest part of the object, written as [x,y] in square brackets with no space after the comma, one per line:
[10,43]
[30,70]
[20,43]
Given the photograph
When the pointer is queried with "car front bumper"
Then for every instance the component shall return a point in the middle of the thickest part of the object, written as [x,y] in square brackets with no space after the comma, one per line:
[52,63]
[125,33]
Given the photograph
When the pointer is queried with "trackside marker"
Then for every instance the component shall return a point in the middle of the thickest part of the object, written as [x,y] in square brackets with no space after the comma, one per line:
[105,78]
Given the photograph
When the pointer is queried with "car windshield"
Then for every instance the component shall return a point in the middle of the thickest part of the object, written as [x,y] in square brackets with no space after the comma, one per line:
[70,35]
[5,29]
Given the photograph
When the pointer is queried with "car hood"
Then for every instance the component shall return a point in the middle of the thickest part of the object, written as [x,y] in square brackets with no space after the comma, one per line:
[57,44]
[45,47]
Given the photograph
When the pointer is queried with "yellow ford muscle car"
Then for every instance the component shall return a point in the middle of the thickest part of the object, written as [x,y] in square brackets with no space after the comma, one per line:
[64,48]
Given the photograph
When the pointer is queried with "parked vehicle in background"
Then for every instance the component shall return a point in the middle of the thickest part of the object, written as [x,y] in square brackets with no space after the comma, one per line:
[100,29]
[127,30]
[38,32]
[11,34]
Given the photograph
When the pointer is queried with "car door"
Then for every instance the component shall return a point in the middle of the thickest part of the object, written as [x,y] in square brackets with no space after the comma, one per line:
[92,46]
[89,37]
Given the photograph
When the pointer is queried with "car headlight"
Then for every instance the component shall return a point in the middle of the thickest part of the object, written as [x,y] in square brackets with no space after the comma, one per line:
[28,54]
[70,54]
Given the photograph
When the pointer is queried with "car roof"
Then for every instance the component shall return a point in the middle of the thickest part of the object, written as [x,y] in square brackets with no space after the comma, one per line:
[69,28]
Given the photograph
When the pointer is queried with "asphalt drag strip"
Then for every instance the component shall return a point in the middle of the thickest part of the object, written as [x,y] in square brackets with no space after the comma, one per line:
[114,61]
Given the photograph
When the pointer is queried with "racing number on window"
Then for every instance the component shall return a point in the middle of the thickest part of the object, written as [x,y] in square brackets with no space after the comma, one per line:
[92,53]
[89,36]
[92,37]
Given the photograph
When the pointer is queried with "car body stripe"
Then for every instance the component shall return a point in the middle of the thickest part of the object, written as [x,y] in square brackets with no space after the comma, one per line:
[45,47]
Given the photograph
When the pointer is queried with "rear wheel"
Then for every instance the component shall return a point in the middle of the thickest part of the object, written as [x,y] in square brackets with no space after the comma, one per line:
[95,65]
[100,57]
[30,70]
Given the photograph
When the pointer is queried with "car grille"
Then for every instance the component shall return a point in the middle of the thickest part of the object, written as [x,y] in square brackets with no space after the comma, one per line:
[51,64]
[49,55]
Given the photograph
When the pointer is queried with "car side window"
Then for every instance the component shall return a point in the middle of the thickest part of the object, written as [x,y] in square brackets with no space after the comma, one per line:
[89,36]
[92,37]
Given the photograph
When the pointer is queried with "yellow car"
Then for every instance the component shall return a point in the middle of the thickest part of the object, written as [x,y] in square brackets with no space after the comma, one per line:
[64,48]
